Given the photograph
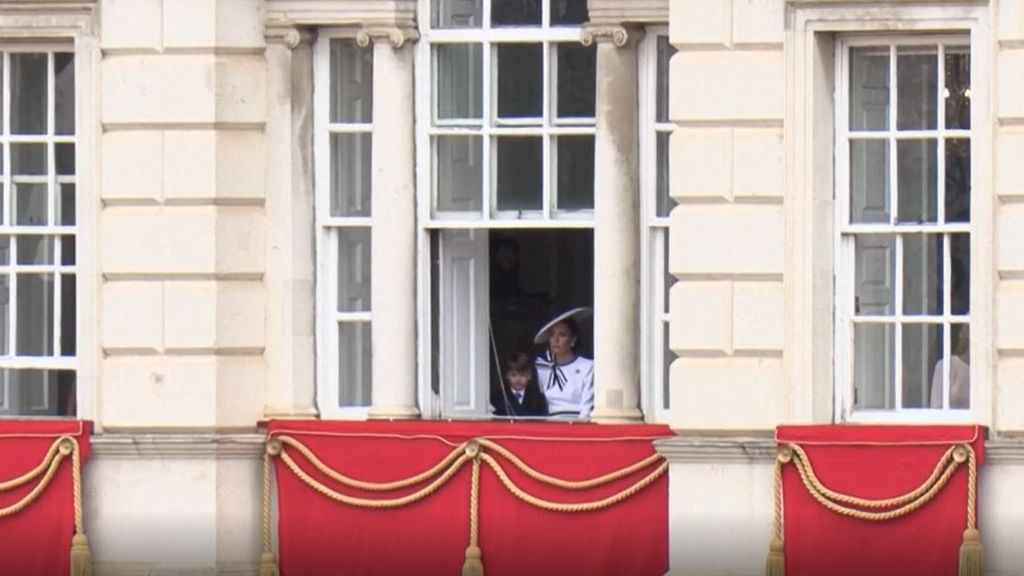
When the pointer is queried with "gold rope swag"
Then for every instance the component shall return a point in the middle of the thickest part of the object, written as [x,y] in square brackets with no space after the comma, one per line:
[474,452]
[878,510]
[62,447]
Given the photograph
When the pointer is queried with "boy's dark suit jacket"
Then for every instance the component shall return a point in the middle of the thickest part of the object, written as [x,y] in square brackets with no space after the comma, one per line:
[534,404]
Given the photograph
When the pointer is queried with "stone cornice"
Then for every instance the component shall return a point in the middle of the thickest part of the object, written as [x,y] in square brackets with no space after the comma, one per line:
[46,18]
[629,11]
[616,34]
[843,3]
[396,35]
[342,13]
[177,446]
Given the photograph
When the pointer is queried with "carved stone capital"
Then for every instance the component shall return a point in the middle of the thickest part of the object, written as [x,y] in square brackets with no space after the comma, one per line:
[618,35]
[396,35]
[290,36]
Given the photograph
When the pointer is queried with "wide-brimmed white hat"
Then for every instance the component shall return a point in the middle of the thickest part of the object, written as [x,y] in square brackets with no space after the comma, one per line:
[578,314]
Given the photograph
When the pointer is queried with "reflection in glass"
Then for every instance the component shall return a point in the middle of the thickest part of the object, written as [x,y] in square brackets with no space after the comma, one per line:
[354,269]
[350,174]
[875,273]
[457,13]
[354,364]
[351,74]
[958,180]
[30,204]
[515,12]
[576,80]
[664,201]
[869,89]
[35,392]
[960,273]
[575,172]
[922,274]
[922,349]
[665,53]
[35,250]
[874,366]
[520,173]
[459,173]
[28,159]
[459,85]
[869,181]
[917,173]
[520,80]
[64,93]
[568,12]
[917,71]
[958,87]
[34,311]
[28,93]
[66,204]
[955,374]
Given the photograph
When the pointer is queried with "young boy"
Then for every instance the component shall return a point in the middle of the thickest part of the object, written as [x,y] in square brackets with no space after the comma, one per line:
[522,395]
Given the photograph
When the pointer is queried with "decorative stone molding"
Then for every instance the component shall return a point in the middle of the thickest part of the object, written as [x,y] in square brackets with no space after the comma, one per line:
[397,36]
[177,446]
[290,36]
[46,18]
[634,11]
[614,33]
[363,13]
[839,3]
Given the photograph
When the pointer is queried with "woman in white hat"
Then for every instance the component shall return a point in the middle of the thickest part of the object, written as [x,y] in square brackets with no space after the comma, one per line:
[566,378]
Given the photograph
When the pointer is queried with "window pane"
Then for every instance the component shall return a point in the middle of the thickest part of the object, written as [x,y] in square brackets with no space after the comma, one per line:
[34,315]
[520,173]
[67,250]
[5,250]
[874,366]
[960,273]
[922,349]
[664,201]
[35,250]
[5,313]
[28,159]
[457,13]
[354,364]
[665,53]
[520,80]
[958,88]
[354,270]
[575,172]
[958,372]
[38,392]
[567,12]
[459,81]
[918,171]
[667,359]
[30,204]
[64,93]
[917,72]
[459,173]
[515,12]
[28,93]
[875,275]
[869,181]
[869,89]
[958,180]
[351,82]
[65,159]
[922,274]
[66,204]
[576,80]
[68,307]
[350,174]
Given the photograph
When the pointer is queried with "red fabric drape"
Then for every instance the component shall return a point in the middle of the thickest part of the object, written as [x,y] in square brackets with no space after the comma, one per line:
[875,462]
[37,540]
[318,536]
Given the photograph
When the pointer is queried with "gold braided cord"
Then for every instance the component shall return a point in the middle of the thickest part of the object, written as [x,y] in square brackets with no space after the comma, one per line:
[371,486]
[267,469]
[35,472]
[972,483]
[777,500]
[568,484]
[76,483]
[474,505]
[52,462]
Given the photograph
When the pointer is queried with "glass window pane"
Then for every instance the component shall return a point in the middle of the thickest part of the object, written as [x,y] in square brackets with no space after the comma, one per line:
[351,82]
[958,180]
[354,364]
[68,342]
[459,173]
[520,173]
[875,275]
[958,372]
[668,279]
[575,172]
[5,313]
[350,174]
[66,204]
[30,204]
[922,274]
[664,202]
[354,270]
[34,310]
[922,351]
[869,89]
[35,250]
[917,172]
[874,366]
[520,80]
[576,80]
[67,250]
[64,93]
[28,159]
[960,273]
[917,71]
[665,53]
[568,12]
[667,358]
[28,93]
[516,12]
[5,250]
[457,13]
[65,159]
[869,181]
[459,81]
[958,88]
[37,392]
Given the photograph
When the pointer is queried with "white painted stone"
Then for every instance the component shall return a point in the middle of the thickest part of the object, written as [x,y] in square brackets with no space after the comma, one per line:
[131,24]
[241,315]
[757,21]
[133,315]
[132,167]
[191,322]
[998,520]
[701,316]
[159,392]
[1009,77]
[240,240]
[700,22]
[241,164]
[758,316]
[240,23]
[1009,391]
[241,89]
[1010,20]
[209,23]
[727,393]
[241,390]
[726,239]
[759,163]
[190,164]
[163,88]
[727,85]
[159,240]
[239,510]
[1009,170]
[1009,240]
[1009,315]
[700,161]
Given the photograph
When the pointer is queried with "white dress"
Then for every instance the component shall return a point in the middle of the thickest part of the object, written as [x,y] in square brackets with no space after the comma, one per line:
[959,384]
[568,387]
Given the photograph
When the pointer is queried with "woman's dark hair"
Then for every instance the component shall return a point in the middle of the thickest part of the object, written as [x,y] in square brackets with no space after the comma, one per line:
[520,362]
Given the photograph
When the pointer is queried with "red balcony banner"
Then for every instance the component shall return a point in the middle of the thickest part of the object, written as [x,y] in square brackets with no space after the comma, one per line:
[444,499]
[41,532]
[861,500]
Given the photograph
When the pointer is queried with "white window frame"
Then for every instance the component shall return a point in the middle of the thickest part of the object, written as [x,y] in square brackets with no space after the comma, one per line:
[846,232]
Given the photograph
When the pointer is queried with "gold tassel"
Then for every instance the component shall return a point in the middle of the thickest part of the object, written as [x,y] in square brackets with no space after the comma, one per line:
[81,557]
[268,565]
[473,566]
[775,565]
[972,561]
